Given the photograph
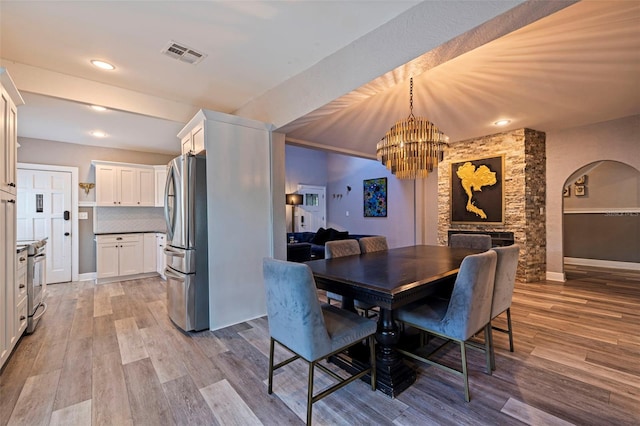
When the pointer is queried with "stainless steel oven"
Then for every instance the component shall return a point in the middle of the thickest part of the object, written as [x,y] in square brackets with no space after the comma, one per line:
[36,281]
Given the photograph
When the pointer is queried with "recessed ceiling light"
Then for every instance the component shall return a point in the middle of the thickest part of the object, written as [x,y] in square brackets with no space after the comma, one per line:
[98,108]
[503,122]
[102,64]
[99,134]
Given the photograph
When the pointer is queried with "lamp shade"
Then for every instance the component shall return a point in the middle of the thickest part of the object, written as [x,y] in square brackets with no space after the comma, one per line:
[294,199]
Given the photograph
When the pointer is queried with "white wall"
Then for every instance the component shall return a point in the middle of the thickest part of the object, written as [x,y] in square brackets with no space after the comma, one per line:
[570,149]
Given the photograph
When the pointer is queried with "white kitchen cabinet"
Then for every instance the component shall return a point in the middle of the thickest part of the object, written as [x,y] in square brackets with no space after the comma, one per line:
[193,141]
[122,184]
[119,255]
[161,260]
[10,99]
[149,253]
[161,180]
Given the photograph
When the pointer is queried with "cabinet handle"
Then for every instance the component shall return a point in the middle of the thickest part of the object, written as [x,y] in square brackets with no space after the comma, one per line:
[138,202]
[11,184]
[12,201]
[21,286]
[118,238]
[115,202]
[22,317]
[22,259]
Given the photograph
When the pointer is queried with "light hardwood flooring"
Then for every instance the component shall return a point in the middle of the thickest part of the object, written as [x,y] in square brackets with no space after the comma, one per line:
[108,354]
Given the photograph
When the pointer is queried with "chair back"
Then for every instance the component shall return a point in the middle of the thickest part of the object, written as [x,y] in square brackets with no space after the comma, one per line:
[472,241]
[371,244]
[469,308]
[505,278]
[293,310]
[339,248]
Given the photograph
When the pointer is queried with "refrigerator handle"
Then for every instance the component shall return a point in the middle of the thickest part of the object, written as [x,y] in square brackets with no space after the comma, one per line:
[173,253]
[167,217]
[171,274]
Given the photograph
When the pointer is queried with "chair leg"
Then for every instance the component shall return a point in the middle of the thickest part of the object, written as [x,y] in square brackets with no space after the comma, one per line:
[510,330]
[271,347]
[488,349]
[372,360]
[310,392]
[463,355]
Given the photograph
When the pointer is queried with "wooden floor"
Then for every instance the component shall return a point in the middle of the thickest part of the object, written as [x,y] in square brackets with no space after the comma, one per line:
[109,355]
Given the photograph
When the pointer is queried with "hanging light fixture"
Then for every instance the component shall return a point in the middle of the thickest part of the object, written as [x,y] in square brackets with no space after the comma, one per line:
[413,147]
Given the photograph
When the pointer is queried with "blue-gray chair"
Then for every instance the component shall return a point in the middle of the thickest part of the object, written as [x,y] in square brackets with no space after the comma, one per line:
[472,241]
[459,318]
[340,248]
[310,330]
[505,281]
[371,244]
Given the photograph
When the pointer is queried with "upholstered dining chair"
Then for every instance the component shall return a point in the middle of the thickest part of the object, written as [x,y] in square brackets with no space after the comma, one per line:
[504,284]
[310,330]
[371,244]
[339,248]
[459,318]
[472,241]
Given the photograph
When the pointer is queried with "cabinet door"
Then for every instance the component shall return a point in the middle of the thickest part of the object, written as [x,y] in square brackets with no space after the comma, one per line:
[161,180]
[107,260]
[160,257]
[106,185]
[128,186]
[197,139]
[147,184]
[130,257]
[8,143]
[7,273]
[149,253]
[186,144]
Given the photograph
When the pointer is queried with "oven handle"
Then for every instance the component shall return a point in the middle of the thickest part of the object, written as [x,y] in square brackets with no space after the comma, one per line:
[44,305]
[173,253]
[39,257]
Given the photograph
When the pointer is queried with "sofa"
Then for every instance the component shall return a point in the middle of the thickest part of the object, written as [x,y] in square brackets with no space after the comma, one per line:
[318,239]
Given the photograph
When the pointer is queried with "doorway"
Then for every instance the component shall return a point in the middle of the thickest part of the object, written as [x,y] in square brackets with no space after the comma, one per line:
[46,208]
[312,213]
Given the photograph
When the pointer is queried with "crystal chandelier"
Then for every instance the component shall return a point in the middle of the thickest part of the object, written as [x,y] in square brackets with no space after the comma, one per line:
[413,147]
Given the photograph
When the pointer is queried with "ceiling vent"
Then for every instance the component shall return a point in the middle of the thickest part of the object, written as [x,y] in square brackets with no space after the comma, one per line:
[183,53]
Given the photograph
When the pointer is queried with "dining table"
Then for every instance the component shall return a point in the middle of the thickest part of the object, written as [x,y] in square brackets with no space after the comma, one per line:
[389,279]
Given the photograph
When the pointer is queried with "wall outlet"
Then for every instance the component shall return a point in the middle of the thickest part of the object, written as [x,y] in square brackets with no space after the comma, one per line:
[83,215]
[347,212]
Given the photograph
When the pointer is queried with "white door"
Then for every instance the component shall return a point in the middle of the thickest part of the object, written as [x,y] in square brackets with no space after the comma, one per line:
[312,213]
[43,198]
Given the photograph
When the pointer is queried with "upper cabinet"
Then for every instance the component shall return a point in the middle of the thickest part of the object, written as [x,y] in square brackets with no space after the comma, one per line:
[161,181]
[192,140]
[122,184]
[9,100]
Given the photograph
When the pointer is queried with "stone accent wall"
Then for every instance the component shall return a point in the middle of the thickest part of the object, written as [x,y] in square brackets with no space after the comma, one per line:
[524,193]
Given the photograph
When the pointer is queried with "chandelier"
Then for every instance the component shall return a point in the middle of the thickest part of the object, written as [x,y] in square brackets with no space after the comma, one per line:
[412,147]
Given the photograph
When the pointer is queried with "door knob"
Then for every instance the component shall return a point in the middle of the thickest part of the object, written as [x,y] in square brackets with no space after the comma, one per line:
[66,234]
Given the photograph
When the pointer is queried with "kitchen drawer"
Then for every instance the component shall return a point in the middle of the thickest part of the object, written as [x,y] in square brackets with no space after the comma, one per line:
[21,284]
[21,314]
[118,238]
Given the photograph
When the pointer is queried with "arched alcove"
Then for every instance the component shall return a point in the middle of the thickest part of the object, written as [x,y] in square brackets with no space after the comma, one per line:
[601,216]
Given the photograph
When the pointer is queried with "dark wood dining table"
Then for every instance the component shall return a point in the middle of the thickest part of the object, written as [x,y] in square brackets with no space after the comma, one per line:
[389,279]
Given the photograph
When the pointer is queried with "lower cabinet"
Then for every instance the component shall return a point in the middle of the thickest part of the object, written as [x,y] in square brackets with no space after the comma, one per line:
[122,256]
[161,260]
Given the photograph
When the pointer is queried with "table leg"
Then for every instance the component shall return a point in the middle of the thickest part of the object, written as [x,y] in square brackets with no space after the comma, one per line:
[393,375]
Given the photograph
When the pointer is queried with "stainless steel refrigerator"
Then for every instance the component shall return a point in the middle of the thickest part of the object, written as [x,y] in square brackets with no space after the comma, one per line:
[187,271]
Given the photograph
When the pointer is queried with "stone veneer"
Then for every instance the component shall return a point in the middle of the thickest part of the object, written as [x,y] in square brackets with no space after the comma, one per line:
[524,193]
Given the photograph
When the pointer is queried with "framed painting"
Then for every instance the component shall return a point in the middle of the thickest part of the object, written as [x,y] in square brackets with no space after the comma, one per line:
[477,191]
[375,197]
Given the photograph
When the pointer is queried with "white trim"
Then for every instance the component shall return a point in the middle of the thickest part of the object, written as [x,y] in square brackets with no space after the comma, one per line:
[89,276]
[86,204]
[602,263]
[556,276]
[74,208]
[613,211]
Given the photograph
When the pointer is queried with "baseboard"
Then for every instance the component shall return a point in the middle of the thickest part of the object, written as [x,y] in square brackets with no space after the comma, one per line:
[126,278]
[556,276]
[602,263]
[89,276]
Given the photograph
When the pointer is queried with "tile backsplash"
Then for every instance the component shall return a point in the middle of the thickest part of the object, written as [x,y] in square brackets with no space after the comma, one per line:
[108,220]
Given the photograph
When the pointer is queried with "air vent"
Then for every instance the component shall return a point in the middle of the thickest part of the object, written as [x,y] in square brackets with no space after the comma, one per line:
[183,53]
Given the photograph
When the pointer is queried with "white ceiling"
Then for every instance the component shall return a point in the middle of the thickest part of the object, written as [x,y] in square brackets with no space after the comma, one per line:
[577,64]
